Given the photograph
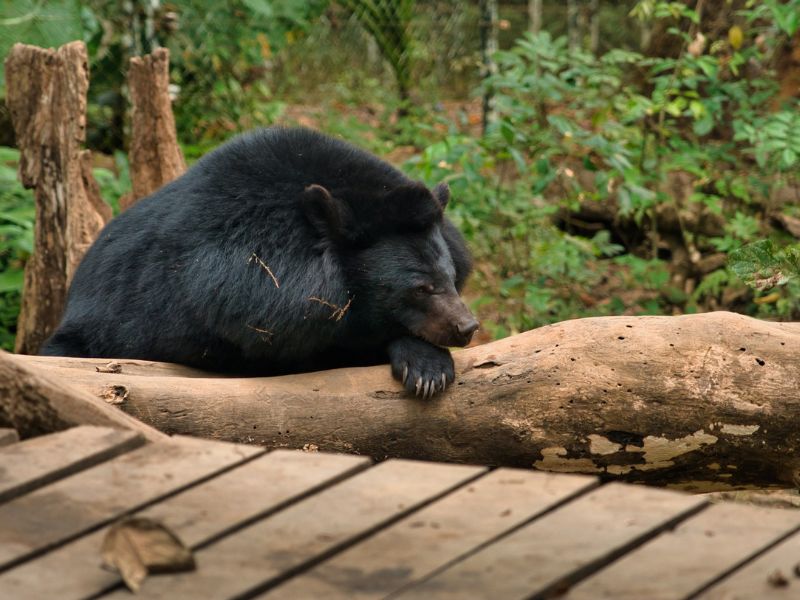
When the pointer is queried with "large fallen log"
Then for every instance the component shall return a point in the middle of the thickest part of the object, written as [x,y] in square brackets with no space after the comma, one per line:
[33,402]
[704,402]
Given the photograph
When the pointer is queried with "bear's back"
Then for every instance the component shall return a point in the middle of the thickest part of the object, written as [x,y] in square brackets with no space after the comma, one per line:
[290,159]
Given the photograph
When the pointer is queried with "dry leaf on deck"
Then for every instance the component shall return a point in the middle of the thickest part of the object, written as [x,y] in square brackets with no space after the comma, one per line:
[138,546]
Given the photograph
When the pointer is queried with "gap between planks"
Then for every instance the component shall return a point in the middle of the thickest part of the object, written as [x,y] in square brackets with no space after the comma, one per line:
[51,516]
[36,462]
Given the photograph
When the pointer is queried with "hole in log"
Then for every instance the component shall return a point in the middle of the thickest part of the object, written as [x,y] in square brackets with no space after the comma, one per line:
[761,362]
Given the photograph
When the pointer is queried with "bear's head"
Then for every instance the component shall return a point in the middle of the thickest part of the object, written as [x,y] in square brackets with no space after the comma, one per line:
[405,262]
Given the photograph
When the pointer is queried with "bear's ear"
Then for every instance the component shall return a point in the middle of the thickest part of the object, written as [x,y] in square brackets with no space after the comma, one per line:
[323,211]
[442,193]
[410,206]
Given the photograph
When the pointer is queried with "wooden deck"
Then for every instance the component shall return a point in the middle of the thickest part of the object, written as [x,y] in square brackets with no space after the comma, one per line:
[287,524]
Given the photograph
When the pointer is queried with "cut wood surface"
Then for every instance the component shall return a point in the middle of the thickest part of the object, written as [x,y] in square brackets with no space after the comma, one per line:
[73,506]
[722,534]
[772,576]
[291,540]
[33,463]
[155,156]
[198,516]
[436,535]
[545,557]
[705,401]
[34,402]
[291,524]
[46,97]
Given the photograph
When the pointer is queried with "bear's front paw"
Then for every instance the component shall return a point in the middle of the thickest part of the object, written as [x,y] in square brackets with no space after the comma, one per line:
[424,369]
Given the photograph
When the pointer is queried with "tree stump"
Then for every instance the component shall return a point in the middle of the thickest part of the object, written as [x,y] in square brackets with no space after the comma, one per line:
[46,96]
[155,156]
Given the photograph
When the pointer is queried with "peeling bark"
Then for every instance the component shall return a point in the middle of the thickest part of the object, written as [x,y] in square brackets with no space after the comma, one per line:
[46,96]
[704,401]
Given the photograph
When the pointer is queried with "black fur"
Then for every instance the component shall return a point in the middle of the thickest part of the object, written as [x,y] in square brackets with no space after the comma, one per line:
[283,250]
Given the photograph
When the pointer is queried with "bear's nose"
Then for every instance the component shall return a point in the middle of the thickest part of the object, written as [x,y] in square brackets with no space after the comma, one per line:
[467,327]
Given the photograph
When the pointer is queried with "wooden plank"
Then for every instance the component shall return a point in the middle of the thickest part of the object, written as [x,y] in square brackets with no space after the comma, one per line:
[679,563]
[563,546]
[198,515]
[772,576]
[289,541]
[8,436]
[38,461]
[435,535]
[54,514]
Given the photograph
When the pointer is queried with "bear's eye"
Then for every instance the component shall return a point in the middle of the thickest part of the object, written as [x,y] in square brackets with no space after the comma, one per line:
[423,290]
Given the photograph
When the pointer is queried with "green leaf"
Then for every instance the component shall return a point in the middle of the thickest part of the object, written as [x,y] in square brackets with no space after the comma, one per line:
[11,280]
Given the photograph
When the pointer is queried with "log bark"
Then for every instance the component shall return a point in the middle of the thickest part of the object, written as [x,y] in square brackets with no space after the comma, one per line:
[155,156]
[35,403]
[702,402]
[46,96]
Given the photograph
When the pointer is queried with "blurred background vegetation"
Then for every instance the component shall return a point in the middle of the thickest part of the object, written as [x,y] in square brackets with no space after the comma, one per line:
[604,157]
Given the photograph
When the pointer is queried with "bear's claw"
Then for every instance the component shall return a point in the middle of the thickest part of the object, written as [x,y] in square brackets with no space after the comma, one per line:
[424,369]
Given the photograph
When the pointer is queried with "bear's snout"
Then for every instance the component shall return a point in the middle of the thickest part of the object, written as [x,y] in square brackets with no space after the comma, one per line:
[466,327]
[449,322]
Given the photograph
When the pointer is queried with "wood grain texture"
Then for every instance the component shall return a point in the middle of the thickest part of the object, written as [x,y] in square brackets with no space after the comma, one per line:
[679,563]
[546,556]
[704,401]
[434,536]
[261,555]
[67,365]
[46,97]
[772,576]
[34,463]
[197,516]
[35,402]
[72,506]
[155,156]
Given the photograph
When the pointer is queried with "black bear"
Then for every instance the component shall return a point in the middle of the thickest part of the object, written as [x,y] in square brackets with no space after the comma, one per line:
[283,250]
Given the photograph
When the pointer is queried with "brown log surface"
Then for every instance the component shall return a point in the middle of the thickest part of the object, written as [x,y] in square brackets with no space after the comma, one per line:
[155,156]
[46,96]
[35,402]
[707,401]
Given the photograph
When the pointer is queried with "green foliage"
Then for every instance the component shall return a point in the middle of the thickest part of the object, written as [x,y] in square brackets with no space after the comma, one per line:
[762,265]
[16,243]
[683,156]
[573,129]
[221,53]
[37,22]
[388,21]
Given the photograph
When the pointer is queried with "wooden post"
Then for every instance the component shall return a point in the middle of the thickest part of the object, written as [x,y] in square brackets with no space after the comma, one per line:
[46,96]
[155,156]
